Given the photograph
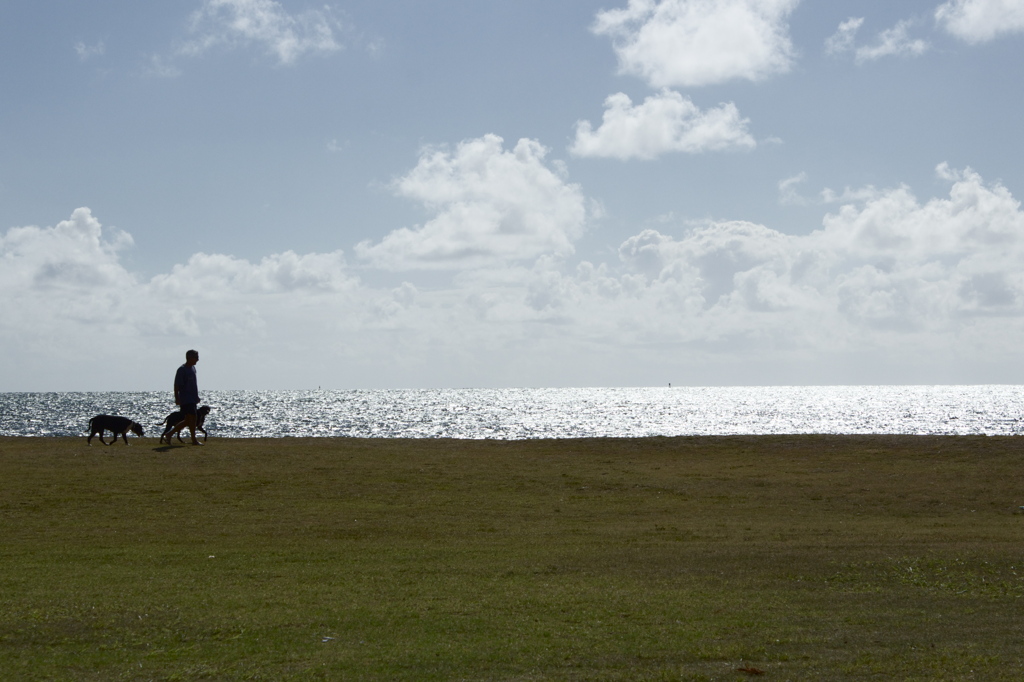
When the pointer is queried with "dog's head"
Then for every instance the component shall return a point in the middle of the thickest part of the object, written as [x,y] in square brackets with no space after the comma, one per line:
[203,411]
[136,428]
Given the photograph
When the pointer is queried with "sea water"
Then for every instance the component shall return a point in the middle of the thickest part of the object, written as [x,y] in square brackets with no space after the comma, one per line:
[544,412]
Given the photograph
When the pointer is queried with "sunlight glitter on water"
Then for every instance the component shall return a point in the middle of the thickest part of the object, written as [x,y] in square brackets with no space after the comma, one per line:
[545,413]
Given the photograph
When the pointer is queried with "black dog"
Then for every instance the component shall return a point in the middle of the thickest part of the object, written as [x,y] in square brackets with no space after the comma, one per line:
[119,426]
[175,418]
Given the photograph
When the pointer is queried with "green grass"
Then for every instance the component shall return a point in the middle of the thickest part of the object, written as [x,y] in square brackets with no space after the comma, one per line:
[808,558]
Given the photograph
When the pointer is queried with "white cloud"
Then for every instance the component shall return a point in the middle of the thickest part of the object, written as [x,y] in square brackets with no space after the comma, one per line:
[978,21]
[842,40]
[895,41]
[86,52]
[69,302]
[666,122]
[68,257]
[265,23]
[789,194]
[887,275]
[848,195]
[65,290]
[212,275]
[700,42]
[935,283]
[890,273]
[159,68]
[492,205]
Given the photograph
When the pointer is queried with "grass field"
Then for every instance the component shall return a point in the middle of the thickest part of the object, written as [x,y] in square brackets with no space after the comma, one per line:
[802,558]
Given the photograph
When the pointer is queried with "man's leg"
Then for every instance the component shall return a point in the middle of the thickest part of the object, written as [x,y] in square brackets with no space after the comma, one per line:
[189,412]
[190,422]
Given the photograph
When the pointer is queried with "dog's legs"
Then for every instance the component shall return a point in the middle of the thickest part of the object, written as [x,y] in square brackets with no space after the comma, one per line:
[176,431]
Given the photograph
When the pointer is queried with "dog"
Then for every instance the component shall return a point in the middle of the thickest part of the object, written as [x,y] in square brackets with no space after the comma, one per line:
[175,418]
[119,426]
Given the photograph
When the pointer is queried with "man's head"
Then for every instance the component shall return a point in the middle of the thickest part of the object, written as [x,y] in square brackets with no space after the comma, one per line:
[191,357]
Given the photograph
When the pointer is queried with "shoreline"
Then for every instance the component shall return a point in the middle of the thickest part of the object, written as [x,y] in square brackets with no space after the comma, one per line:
[147,440]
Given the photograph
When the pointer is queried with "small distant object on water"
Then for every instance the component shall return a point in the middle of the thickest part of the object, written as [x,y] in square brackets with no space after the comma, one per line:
[119,426]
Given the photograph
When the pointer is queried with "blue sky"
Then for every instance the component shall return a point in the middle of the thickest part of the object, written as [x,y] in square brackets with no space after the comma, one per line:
[475,193]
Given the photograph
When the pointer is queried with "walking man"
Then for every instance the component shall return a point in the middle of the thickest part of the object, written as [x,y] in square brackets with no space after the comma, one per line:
[186,395]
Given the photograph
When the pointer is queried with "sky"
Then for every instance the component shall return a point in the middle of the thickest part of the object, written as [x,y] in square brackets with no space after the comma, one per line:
[479,193]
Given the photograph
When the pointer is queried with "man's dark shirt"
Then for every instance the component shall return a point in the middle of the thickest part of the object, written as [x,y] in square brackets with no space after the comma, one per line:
[187,384]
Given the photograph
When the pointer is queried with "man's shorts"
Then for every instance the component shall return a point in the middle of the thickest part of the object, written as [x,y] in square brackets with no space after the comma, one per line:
[188,408]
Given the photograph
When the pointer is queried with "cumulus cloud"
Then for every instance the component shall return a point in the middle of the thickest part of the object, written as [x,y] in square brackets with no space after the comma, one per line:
[889,263]
[886,273]
[978,21]
[231,23]
[700,42]
[492,206]
[69,300]
[910,280]
[72,255]
[65,290]
[887,277]
[666,122]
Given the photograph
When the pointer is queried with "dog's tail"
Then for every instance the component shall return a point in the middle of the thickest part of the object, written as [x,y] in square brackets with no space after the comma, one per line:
[91,422]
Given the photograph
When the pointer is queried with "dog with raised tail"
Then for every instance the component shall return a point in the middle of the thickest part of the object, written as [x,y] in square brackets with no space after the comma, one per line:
[119,426]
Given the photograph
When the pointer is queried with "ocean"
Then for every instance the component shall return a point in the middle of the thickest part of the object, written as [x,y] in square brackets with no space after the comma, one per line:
[544,412]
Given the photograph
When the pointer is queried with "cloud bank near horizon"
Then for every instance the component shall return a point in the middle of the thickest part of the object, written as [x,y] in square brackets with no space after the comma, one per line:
[934,280]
